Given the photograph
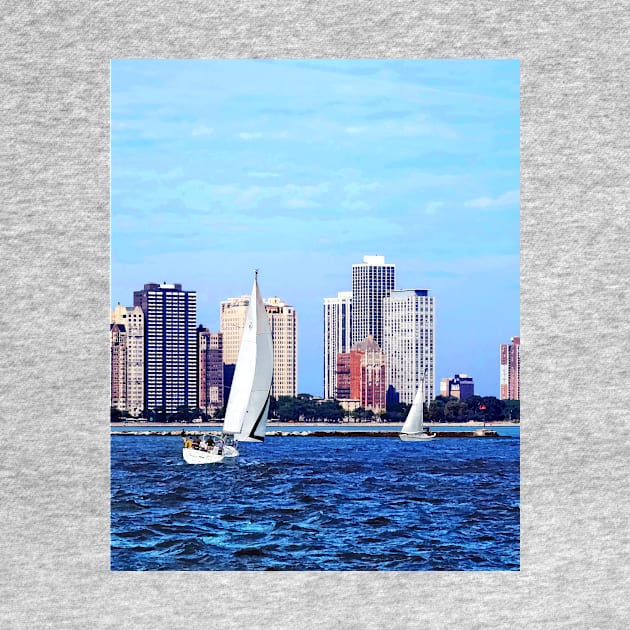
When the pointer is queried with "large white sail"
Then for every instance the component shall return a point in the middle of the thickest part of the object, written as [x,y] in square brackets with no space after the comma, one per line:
[248,405]
[413,423]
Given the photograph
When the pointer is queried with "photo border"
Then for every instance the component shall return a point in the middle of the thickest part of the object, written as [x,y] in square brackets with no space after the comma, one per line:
[574,270]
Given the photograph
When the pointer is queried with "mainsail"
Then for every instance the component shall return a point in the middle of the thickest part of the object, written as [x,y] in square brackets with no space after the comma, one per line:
[413,423]
[248,405]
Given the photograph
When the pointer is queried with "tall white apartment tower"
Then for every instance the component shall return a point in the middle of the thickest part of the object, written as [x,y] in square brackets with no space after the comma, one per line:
[337,338]
[409,344]
[129,324]
[372,280]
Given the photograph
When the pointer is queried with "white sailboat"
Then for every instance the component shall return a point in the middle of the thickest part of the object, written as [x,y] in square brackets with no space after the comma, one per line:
[412,430]
[248,405]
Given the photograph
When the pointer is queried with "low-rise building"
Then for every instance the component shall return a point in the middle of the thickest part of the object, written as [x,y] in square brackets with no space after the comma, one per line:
[361,375]
[461,386]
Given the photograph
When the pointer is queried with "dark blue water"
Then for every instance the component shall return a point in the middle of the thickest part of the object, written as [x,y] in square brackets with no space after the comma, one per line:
[309,503]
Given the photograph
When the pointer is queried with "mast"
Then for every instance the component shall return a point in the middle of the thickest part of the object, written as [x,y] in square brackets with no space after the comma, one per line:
[246,413]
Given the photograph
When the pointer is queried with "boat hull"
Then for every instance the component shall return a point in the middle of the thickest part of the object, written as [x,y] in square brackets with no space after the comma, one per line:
[417,437]
[196,456]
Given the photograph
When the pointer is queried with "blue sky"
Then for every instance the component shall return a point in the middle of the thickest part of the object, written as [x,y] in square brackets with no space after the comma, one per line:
[301,167]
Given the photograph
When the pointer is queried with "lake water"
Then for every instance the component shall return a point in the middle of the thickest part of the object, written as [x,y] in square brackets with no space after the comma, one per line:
[311,503]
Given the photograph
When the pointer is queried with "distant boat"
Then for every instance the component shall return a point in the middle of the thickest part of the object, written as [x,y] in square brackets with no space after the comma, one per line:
[412,430]
[248,405]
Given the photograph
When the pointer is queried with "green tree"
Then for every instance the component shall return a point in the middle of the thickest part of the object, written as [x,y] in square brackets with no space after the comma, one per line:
[475,408]
[451,411]
[308,409]
[495,410]
[397,412]
[157,415]
[464,411]
[355,414]
[288,408]
[197,412]
[330,410]
[512,409]
[183,413]
[362,414]
[436,409]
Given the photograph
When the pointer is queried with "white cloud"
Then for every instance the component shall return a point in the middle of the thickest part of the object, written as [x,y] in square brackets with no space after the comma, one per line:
[257,135]
[250,135]
[510,198]
[170,232]
[263,174]
[428,128]
[355,205]
[122,124]
[433,206]
[403,127]
[475,264]
[298,203]
[200,196]
[202,130]
[355,188]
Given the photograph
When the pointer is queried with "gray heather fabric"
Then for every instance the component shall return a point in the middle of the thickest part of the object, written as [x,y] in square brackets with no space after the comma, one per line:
[54,547]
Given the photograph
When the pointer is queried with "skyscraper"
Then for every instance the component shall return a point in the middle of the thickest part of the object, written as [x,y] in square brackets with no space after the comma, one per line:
[337,317]
[409,344]
[510,370]
[233,314]
[283,323]
[210,365]
[170,346]
[127,339]
[372,280]
[118,372]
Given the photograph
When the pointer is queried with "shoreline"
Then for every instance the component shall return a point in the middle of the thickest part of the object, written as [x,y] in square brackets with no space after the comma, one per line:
[190,425]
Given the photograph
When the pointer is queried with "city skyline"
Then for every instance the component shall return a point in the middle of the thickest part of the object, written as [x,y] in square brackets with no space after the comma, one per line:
[301,168]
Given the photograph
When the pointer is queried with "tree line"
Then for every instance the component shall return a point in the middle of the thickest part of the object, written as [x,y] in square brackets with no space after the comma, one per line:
[476,408]
[305,408]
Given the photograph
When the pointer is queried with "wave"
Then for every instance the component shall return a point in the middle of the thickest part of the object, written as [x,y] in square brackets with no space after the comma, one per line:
[298,504]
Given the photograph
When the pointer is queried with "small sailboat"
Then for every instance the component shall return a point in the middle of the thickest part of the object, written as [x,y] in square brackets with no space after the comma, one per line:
[412,430]
[248,405]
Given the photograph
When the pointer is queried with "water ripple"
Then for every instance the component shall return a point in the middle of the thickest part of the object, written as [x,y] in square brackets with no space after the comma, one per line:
[317,504]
